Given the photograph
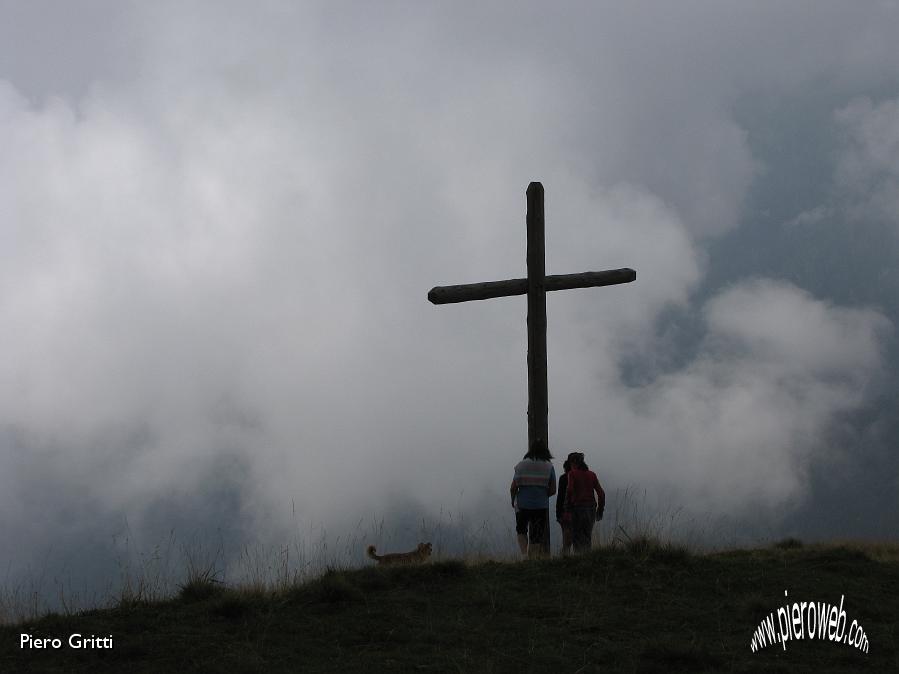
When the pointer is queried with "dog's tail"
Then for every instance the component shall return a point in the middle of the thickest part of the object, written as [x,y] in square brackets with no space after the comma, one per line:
[371,552]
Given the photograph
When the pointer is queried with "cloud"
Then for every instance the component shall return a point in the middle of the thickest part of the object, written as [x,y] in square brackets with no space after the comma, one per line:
[740,424]
[810,217]
[868,169]
[214,261]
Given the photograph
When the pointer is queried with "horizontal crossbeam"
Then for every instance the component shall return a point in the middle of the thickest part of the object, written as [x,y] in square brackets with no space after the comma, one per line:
[519,286]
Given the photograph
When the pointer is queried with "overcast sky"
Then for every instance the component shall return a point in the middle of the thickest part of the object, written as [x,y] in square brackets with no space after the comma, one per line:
[219,222]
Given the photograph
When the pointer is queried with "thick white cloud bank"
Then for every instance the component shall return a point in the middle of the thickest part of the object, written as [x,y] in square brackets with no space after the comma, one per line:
[226,253]
[740,424]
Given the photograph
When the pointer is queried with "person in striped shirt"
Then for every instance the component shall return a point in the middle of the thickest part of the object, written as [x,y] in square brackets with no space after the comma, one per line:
[532,485]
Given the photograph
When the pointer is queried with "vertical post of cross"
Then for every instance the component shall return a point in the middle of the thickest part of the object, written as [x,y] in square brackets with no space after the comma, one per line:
[538,395]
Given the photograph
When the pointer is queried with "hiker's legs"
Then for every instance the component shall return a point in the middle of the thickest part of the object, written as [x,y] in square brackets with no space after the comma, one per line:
[581,528]
[577,533]
[521,530]
[539,534]
[532,527]
[566,537]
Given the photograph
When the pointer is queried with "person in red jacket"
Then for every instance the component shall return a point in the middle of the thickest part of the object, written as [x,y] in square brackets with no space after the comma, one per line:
[585,508]
[563,517]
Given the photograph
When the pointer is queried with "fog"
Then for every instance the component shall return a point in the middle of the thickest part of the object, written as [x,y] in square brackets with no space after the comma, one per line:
[219,224]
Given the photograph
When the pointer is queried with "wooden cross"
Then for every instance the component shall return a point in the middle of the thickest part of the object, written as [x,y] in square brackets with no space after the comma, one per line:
[535,286]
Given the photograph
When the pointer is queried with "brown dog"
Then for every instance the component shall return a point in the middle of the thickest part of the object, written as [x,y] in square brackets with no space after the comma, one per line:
[417,556]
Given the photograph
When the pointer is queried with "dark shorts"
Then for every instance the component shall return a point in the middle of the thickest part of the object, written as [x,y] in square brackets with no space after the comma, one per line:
[534,523]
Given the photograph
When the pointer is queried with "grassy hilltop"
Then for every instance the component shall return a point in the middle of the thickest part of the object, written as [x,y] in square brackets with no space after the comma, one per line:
[640,607]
